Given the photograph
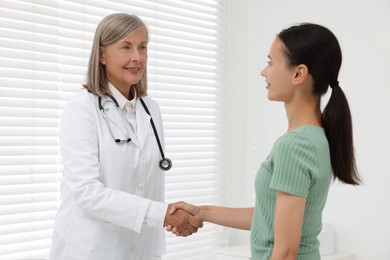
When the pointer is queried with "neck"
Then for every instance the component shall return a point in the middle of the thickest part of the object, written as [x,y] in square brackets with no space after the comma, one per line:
[303,113]
[131,93]
[127,92]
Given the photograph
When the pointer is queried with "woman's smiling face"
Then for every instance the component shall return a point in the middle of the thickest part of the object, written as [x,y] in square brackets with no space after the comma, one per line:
[278,75]
[125,60]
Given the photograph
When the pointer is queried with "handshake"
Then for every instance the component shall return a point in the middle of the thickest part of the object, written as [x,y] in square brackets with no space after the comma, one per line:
[183,219]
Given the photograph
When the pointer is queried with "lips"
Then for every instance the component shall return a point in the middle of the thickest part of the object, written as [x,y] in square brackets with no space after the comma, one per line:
[133,69]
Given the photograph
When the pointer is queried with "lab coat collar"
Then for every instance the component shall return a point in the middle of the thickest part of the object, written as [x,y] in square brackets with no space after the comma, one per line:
[122,100]
[143,119]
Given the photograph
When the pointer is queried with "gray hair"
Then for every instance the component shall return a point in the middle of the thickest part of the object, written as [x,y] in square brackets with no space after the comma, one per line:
[111,29]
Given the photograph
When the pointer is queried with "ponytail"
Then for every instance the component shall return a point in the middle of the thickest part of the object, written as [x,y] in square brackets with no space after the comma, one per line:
[337,121]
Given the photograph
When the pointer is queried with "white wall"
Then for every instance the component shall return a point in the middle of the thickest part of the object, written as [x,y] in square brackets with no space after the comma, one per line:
[239,190]
[360,215]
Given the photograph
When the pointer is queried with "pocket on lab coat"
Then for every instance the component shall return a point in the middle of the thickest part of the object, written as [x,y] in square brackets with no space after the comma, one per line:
[92,240]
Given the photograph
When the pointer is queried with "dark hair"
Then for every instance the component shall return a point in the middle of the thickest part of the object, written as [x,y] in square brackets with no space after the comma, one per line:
[317,47]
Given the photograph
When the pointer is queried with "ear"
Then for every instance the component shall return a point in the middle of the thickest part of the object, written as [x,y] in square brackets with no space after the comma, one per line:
[102,57]
[300,73]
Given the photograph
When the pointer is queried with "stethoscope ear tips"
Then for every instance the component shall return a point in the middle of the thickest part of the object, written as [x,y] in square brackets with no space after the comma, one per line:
[122,141]
[165,164]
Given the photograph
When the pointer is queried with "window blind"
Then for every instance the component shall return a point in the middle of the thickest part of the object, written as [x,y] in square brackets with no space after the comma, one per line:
[44,50]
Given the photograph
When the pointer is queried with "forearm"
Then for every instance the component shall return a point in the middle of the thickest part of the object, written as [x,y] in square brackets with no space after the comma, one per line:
[240,218]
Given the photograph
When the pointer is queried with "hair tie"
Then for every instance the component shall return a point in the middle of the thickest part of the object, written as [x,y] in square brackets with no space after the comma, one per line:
[334,84]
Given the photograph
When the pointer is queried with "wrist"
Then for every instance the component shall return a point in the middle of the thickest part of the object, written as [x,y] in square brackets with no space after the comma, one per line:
[203,213]
[167,212]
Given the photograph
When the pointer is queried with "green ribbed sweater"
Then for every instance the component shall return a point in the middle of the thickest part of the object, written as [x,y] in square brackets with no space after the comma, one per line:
[299,164]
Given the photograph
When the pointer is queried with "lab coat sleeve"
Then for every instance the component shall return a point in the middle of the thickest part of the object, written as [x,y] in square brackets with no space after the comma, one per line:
[79,150]
[155,215]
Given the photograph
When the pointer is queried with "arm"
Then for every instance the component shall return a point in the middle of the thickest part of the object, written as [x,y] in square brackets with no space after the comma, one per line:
[288,223]
[240,218]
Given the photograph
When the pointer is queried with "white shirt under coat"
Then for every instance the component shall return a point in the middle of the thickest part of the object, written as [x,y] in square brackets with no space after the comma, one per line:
[112,195]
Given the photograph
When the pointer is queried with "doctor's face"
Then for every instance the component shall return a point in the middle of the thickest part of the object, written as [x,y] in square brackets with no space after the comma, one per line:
[278,75]
[125,60]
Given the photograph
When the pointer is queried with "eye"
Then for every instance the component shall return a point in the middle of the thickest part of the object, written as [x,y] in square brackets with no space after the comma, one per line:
[269,61]
[126,47]
[143,48]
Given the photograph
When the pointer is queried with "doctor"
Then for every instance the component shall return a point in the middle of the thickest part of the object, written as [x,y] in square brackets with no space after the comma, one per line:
[111,137]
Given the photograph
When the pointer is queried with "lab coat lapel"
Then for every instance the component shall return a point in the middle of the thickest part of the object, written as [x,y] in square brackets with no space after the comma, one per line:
[112,113]
[117,121]
[143,123]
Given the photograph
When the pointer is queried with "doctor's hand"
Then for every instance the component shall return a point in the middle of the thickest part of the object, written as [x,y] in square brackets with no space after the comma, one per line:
[183,222]
[179,206]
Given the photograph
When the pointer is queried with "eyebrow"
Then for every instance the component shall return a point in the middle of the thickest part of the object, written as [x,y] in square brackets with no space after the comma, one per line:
[127,42]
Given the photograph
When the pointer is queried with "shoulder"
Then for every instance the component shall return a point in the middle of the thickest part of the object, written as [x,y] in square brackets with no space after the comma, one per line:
[82,96]
[305,136]
[151,104]
[312,133]
[297,144]
[305,144]
[292,140]
[83,101]
[149,101]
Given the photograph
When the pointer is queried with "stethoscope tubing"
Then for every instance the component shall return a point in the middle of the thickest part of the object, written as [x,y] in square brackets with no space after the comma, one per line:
[154,129]
[165,163]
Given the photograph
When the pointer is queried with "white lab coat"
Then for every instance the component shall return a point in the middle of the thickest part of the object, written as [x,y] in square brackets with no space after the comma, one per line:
[107,188]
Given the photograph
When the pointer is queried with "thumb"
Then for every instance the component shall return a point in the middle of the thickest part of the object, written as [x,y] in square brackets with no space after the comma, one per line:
[195,221]
[172,209]
[176,206]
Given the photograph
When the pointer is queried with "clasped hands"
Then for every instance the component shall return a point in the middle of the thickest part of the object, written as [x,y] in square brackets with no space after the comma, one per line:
[183,219]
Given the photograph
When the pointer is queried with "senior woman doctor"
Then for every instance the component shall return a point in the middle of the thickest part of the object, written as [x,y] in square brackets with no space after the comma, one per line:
[112,192]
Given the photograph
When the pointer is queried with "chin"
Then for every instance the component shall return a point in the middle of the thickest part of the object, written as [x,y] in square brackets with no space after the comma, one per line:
[133,81]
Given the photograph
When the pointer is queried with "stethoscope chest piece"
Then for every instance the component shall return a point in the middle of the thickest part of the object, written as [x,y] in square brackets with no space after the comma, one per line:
[165,164]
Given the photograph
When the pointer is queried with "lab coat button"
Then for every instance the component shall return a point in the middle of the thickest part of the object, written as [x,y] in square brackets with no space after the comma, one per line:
[141,187]
[141,156]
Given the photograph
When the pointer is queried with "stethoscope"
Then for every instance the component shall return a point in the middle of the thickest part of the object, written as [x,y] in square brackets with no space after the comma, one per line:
[165,163]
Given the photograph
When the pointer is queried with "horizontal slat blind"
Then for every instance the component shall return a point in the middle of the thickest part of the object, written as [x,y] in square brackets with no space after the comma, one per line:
[44,50]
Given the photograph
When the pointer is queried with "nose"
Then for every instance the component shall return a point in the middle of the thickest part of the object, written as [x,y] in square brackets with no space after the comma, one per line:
[263,72]
[135,56]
